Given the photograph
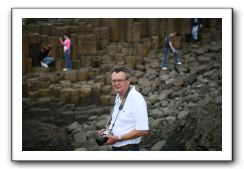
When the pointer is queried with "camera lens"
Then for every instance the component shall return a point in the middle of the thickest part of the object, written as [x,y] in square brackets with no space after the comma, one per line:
[100,141]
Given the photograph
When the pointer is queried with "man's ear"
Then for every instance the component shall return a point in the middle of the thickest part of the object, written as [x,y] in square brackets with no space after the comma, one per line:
[128,81]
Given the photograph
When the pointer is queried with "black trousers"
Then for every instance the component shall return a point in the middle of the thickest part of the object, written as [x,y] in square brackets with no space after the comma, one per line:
[128,147]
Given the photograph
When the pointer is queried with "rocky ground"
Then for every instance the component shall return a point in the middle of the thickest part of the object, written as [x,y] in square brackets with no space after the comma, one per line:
[63,110]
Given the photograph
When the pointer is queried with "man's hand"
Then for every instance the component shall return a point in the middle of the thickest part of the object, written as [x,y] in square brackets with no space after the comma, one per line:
[112,139]
[131,135]
[100,131]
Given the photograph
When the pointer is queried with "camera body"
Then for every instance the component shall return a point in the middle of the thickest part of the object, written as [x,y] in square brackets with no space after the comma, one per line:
[103,137]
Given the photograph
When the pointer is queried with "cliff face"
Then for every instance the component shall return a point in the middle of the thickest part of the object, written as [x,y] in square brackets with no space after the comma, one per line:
[200,131]
[63,110]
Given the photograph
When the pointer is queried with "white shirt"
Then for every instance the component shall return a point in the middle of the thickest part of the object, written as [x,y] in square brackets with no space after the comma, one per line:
[133,116]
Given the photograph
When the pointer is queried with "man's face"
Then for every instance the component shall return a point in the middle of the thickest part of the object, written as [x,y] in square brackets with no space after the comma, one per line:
[119,82]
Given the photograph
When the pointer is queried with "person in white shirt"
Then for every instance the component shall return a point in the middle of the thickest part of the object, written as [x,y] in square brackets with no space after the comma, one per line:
[129,119]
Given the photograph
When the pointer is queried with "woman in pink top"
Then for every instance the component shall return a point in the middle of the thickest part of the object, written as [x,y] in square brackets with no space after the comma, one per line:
[66,45]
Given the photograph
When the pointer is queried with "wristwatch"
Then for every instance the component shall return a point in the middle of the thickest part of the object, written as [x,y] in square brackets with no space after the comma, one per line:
[120,138]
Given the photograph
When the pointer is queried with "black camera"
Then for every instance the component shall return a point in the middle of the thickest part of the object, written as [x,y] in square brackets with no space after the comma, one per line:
[101,140]
[103,137]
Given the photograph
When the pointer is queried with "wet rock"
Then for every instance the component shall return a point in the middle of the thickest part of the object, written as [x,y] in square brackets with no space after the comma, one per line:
[38,136]
[158,146]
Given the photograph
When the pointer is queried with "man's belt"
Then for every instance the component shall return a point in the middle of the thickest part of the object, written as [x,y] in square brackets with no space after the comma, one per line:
[126,147]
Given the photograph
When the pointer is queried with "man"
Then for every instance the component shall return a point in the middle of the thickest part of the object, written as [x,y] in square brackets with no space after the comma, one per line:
[167,47]
[129,117]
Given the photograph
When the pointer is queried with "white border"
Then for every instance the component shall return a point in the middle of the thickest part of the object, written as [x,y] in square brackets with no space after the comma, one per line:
[224,155]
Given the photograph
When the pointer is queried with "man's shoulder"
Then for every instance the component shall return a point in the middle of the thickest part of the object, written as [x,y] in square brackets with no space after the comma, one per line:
[136,94]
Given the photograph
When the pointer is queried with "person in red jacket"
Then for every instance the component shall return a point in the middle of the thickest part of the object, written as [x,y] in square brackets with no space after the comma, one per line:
[46,55]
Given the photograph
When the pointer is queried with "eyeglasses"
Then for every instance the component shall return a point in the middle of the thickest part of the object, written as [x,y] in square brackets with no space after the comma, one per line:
[117,81]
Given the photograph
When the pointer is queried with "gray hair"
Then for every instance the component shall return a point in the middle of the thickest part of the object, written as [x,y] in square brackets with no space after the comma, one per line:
[124,69]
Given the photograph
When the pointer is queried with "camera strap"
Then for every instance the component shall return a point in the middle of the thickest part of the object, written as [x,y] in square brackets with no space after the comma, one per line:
[120,108]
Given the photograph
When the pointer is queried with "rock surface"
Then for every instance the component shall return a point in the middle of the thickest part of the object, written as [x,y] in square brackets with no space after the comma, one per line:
[63,110]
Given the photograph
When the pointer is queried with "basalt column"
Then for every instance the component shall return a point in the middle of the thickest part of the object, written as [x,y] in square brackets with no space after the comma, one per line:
[26,59]
[34,48]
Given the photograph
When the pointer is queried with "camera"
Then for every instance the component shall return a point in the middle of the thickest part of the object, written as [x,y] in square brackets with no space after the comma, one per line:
[103,137]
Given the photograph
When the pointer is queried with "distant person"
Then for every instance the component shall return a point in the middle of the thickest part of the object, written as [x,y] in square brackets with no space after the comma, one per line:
[168,46]
[67,50]
[46,55]
[196,25]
